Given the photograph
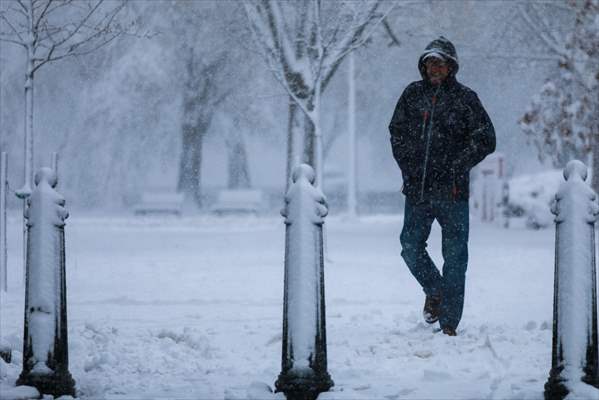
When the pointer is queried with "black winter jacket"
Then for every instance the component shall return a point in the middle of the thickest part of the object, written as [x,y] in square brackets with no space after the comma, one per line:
[438,133]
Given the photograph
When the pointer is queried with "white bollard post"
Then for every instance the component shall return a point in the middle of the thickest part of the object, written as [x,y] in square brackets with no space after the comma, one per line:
[45,347]
[304,360]
[574,360]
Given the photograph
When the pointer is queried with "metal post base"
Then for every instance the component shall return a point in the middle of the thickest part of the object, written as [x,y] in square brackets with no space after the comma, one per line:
[305,387]
[6,355]
[57,384]
[555,388]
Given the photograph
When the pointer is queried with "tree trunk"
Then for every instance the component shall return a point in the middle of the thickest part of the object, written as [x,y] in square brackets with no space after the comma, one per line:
[309,142]
[28,145]
[595,165]
[295,139]
[29,76]
[191,162]
[302,143]
[313,149]
[238,171]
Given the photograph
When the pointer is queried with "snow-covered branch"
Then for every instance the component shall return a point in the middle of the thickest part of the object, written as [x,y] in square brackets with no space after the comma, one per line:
[50,31]
[4,36]
[549,41]
[303,60]
[308,57]
[561,120]
[42,16]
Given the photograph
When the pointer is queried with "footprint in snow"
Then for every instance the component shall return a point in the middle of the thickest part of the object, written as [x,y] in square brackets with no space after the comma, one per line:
[275,339]
[435,376]
[530,326]
[545,326]
[423,354]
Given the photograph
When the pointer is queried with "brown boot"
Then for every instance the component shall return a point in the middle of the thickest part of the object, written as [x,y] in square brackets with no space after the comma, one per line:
[449,331]
[432,307]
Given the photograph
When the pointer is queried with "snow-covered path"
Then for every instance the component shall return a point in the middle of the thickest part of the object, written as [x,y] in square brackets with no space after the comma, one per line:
[192,308]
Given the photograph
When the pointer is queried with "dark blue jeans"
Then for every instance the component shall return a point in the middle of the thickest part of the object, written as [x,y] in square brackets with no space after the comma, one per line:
[453,217]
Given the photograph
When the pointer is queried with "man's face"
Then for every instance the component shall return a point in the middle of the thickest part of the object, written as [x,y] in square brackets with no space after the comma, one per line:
[436,70]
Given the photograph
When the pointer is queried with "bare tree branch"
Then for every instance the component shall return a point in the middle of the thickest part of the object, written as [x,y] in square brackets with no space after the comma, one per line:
[3,17]
[41,16]
[37,4]
[81,23]
[2,39]
[394,40]
[17,10]
[546,27]
[25,9]
[73,53]
[552,45]
[59,5]
[359,36]
[266,30]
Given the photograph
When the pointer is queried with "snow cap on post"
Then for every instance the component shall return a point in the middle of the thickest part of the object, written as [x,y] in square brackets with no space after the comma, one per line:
[575,168]
[304,171]
[46,174]
[42,196]
[579,193]
[303,199]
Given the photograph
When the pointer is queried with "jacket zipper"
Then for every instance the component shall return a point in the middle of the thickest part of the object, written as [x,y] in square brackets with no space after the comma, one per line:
[454,188]
[428,140]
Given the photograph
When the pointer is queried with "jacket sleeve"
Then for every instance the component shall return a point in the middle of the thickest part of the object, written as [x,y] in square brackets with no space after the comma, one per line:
[481,134]
[397,129]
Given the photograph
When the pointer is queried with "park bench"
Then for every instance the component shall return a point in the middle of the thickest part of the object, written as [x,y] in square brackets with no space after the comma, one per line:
[160,203]
[238,201]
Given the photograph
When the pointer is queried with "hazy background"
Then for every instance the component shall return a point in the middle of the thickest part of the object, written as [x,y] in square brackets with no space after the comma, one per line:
[115,115]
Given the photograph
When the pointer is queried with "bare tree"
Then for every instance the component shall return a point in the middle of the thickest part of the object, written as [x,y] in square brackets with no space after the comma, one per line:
[304,43]
[201,98]
[237,156]
[51,30]
[199,33]
[561,120]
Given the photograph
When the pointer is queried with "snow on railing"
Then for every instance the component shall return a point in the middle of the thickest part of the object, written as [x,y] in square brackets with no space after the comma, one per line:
[574,360]
[304,360]
[45,349]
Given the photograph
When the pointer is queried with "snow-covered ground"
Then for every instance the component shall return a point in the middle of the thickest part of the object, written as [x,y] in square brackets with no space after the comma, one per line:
[182,308]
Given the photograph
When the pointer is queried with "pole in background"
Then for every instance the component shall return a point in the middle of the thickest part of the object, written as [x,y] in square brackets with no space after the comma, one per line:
[5,350]
[3,190]
[352,203]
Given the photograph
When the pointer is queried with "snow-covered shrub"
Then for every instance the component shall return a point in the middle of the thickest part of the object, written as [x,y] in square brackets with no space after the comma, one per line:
[531,196]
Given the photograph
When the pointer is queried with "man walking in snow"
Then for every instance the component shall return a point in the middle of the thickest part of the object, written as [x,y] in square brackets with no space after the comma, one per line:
[439,131]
